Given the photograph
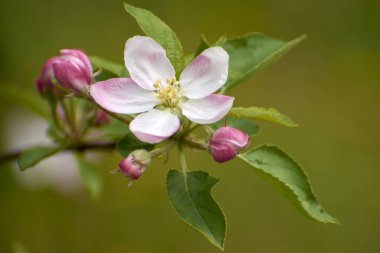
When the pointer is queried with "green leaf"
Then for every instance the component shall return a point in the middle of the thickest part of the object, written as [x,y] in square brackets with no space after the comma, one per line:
[90,176]
[221,41]
[203,45]
[245,125]
[189,194]
[251,52]
[130,143]
[287,176]
[155,28]
[108,69]
[268,114]
[24,97]
[30,157]
[115,130]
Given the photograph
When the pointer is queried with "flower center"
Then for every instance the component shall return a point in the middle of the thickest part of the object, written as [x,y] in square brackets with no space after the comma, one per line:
[169,94]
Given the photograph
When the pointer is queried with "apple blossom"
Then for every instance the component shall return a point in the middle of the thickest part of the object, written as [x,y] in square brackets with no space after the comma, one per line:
[73,70]
[225,143]
[161,100]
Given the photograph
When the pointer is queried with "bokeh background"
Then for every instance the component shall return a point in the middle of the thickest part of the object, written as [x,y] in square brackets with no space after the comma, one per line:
[330,85]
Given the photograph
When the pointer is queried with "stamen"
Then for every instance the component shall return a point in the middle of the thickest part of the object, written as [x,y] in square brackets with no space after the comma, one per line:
[169,94]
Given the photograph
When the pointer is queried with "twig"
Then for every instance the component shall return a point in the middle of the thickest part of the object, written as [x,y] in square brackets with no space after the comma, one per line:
[79,147]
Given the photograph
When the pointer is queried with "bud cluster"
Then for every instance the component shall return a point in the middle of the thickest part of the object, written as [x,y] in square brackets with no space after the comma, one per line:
[72,70]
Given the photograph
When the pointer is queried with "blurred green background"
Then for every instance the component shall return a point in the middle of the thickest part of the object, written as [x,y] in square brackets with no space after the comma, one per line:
[330,85]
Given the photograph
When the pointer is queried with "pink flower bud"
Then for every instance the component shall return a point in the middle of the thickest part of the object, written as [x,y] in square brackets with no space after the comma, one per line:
[226,142]
[102,118]
[44,81]
[135,164]
[73,70]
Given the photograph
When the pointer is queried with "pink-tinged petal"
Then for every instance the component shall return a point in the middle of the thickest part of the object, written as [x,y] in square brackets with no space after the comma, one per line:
[206,74]
[123,95]
[70,75]
[44,81]
[147,62]
[81,55]
[232,135]
[223,152]
[154,126]
[207,110]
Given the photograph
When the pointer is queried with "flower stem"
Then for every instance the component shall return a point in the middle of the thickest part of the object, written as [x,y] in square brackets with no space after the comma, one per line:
[182,158]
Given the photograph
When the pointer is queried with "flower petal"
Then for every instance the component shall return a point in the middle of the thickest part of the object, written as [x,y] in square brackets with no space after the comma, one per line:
[232,135]
[223,151]
[70,75]
[81,55]
[146,61]
[154,126]
[122,95]
[207,110]
[206,74]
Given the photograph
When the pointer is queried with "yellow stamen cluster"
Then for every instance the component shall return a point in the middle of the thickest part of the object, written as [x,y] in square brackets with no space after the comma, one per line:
[169,93]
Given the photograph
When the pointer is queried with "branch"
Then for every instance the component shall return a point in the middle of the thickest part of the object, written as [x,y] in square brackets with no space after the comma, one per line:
[13,155]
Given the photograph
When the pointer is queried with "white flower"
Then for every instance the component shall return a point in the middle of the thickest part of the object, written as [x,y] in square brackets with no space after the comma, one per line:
[154,91]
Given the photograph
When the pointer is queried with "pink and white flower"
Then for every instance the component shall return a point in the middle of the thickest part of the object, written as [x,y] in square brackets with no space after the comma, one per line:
[161,100]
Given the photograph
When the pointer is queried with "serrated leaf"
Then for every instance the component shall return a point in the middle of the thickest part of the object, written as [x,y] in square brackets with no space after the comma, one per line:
[130,143]
[90,176]
[189,194]
[155,28]
[245,125]
[30,157]
[261,113]
[287,176]
[251,52]
[23,97]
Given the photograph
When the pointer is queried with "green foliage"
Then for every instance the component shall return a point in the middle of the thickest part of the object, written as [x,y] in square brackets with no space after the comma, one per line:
[161,32]
[90,176]
[108,69]
[30,157]
[261,113]
[130,143]
[287,176]
[189,194]
[245,125]
[25,98]
[203,45]
[251,52]
[115,130]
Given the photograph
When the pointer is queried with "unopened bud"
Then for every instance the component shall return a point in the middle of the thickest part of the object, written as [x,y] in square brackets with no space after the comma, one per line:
[102,118]
[73,70]
[44,81]
[226,142]
[134,165]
